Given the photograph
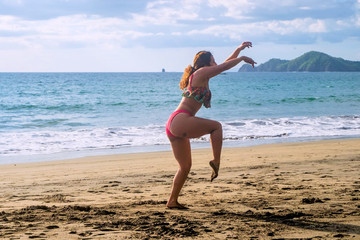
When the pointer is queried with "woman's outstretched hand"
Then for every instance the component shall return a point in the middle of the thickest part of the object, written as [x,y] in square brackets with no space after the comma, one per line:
[248,60]
[245,45]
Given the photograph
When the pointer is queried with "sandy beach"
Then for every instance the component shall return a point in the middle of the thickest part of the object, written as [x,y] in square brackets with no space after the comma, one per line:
[308,190]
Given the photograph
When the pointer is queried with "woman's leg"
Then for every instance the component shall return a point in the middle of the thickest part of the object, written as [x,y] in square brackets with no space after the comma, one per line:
[182,152]
[193,127]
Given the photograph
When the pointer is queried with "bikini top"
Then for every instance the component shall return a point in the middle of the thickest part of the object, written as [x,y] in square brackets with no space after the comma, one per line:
[200,94]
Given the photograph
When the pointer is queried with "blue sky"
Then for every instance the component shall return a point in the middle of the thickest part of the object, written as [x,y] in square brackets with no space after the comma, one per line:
[146,35]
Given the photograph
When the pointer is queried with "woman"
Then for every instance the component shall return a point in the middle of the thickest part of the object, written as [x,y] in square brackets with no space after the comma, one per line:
[183,125]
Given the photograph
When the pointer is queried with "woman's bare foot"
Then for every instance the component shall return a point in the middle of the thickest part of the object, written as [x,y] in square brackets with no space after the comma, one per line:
[176,206]
[215,171]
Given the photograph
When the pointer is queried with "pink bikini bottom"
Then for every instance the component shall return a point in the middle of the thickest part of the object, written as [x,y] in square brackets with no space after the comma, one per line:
[167,127]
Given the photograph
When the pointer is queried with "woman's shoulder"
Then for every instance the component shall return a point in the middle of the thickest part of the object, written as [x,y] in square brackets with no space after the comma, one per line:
[200,76]
[208,72]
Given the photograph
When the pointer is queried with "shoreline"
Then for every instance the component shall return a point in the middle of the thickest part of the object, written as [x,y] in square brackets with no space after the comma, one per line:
[281,190]
[59,156]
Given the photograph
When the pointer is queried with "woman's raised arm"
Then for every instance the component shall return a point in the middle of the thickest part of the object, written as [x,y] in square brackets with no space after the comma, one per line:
[212,71]
[235,54]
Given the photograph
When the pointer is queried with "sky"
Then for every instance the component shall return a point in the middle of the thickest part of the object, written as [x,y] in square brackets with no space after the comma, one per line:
[148,35]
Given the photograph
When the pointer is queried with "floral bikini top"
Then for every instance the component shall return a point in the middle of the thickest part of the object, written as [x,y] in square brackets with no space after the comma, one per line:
[200,94]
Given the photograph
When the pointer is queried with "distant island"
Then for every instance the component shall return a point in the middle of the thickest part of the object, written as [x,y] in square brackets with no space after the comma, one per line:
[308,62]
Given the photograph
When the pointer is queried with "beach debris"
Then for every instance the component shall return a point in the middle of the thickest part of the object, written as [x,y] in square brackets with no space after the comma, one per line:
[311,200]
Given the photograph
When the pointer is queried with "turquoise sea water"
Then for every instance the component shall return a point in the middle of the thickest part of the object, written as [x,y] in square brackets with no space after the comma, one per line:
[43,115]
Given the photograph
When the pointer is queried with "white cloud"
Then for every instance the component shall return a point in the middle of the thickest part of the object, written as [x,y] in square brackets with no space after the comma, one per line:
[305,8]
[319,26]
[261,10]
[12,2]
[156,4]
[235,8]
[357,20]
[178,24]
[163,16]
[167,12]
[166,19]
[75,30]
[256,29]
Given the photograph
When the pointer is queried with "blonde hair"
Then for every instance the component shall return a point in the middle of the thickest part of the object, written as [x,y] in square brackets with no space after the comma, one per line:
[201,59]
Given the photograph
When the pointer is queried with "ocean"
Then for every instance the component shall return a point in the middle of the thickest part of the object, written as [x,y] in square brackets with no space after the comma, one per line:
[52,116]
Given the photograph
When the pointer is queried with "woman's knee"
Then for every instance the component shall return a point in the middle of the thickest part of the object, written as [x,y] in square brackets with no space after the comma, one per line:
[217,126]
[185,167]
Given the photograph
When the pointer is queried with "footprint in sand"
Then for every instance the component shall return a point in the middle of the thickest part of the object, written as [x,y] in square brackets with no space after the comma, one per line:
[52,227]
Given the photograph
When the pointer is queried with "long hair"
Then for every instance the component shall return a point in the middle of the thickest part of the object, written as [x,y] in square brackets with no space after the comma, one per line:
[201,59]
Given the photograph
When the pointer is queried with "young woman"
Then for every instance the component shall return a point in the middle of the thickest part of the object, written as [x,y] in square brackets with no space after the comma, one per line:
[183,125]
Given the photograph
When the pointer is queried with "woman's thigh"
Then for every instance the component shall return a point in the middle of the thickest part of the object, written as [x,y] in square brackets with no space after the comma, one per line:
[182,151]
[192,127]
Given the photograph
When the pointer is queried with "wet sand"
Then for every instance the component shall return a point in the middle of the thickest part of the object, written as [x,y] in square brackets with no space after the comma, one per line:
[280,191]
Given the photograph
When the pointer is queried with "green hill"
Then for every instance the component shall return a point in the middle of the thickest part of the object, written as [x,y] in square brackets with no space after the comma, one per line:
[309,62]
